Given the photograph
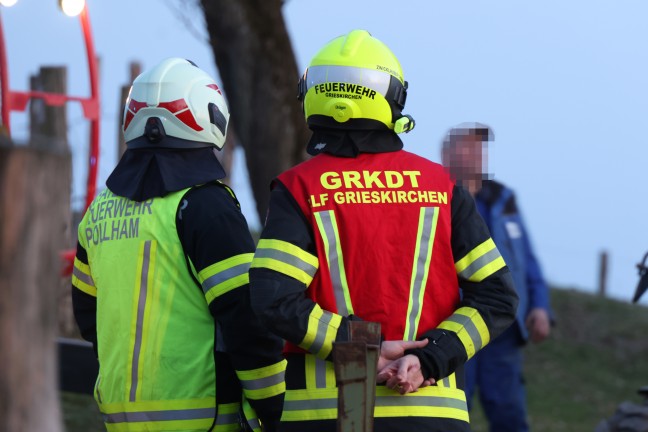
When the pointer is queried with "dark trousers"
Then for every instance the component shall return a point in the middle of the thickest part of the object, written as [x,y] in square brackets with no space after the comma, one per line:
[393,424]
[496,373]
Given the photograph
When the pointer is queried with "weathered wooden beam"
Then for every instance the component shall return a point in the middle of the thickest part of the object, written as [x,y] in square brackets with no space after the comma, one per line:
[34,214]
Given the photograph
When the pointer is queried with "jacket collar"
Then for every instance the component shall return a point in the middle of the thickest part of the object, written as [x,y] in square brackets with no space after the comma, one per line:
[148,173]
[350,143]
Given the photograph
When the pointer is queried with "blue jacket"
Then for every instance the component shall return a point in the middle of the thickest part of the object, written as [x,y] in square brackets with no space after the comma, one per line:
[496,204]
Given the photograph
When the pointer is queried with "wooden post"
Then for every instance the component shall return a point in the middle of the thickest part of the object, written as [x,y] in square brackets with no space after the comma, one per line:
[34,213]
[48,132]
[48,124]
[603,264]
[135,68]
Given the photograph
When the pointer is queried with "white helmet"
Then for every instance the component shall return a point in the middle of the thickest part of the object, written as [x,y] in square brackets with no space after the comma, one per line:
[175,105]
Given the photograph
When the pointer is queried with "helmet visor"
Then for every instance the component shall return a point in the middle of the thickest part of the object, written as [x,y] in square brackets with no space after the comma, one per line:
[373,79]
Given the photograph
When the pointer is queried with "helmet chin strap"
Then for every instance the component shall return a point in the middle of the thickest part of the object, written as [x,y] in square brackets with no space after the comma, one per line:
[404,124]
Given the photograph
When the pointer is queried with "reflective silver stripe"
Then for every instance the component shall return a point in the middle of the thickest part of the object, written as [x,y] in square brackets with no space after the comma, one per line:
[286,258]
[480,262]
[335,263]
[86,278]
[431,401]
[146,416]
[470,328]
[320,336]
[374,79]
[320,373]
[254,423]
[141,306]
[422,259]
[261,383]
[391,401]
[310,404]
[224,276]
[445,382]
[231,418]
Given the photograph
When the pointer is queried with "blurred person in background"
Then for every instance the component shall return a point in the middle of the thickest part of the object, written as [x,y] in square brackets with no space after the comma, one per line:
[496,371]
[160,283]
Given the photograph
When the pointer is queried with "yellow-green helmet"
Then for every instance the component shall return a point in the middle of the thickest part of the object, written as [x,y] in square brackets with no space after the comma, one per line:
[355,82]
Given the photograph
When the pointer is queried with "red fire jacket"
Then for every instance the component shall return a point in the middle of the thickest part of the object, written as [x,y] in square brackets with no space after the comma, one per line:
[384,237]
[381,223]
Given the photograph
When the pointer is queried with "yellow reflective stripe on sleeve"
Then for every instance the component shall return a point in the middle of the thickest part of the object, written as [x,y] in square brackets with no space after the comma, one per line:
[263,382]
[286,258]
[321,332]
[470,327]
[449,382]
[327,225]
[251,416]
[224,276]
[228,418]
[428,218]
[316,404]
[82,279]
[481,262]
[431,401]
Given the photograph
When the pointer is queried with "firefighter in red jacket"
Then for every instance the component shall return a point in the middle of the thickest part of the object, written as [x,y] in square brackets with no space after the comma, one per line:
[367,231]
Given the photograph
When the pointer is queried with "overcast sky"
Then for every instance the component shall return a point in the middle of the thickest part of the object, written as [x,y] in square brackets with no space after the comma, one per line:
[563,84]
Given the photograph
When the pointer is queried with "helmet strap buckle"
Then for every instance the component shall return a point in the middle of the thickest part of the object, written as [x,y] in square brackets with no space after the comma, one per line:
[404,124]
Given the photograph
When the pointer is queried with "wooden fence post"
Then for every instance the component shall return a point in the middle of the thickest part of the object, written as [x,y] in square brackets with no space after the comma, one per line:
[603,267]
[48,124]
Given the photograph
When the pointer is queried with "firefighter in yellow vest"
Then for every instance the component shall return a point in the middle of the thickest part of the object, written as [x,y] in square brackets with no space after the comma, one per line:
[367,231]
[160,282]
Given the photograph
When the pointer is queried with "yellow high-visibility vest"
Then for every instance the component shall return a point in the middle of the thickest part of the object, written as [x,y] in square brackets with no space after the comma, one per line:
[155,334]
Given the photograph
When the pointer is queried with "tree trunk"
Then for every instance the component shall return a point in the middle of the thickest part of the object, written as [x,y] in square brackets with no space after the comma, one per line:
[226,154]
[34,213]
[259,72]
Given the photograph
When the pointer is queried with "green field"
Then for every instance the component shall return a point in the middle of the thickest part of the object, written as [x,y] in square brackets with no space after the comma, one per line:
[595,358]
[80,413]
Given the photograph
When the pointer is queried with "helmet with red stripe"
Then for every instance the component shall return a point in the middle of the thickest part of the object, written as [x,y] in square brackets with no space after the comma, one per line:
[175,105]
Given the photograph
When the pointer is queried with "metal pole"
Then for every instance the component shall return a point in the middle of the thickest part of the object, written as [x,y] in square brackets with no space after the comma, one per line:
[91,109]
[356,363]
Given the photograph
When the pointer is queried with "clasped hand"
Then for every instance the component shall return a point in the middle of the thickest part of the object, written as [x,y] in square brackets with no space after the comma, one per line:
[398,371]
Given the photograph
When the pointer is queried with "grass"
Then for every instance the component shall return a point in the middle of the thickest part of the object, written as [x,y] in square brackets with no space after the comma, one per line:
[80,413]
[594,359]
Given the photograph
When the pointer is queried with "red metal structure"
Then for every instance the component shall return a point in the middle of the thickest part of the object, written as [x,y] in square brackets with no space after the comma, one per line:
[17,100]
